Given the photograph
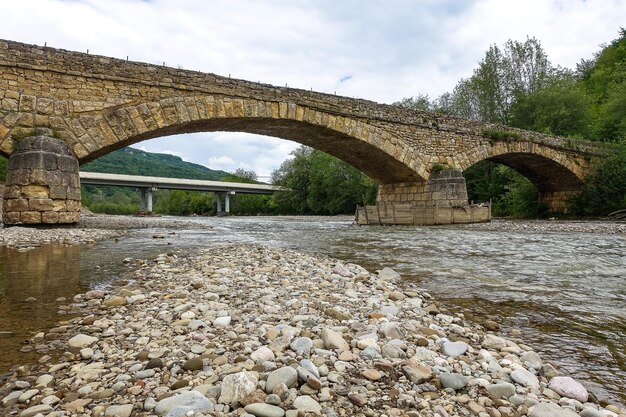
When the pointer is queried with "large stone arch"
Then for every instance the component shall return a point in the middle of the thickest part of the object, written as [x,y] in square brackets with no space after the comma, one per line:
[353,140]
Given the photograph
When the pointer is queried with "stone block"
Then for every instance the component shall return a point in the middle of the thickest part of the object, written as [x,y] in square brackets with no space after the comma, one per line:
[18,177]
[73,193]
[38,177]
[30,217]
[12,191]
[67,164]
[53,178]
[35,191]
[69,217]
[13,217]
[45,106]
[72,205]
[27,103]
[50,217]
[16,204]
[40,204]
[59,205]
[58,192]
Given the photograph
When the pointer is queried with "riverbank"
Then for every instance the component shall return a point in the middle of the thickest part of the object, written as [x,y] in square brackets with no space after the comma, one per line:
[238,329]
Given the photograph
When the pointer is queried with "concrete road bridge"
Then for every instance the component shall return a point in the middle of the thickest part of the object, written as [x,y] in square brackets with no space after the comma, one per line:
[94,105]
[146,185]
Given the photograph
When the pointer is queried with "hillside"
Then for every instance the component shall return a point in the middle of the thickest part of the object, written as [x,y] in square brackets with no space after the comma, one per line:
[133,161]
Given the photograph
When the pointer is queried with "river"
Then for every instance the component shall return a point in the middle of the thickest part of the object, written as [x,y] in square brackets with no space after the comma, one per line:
[564,291]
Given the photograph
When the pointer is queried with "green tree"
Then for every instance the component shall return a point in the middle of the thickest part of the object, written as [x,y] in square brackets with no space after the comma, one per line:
[320,184]
[419,102]
[561,108]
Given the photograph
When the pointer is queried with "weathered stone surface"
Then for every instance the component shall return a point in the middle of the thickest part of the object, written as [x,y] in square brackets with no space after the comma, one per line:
[180,404]
[237,386]
[40,173]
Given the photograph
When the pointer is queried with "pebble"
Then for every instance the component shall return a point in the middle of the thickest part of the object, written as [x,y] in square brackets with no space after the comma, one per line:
[81,340]
[119,410]
[525,378]
[453,380]
[253,331]
[180,404]
[264,410]
[285,375]
[236,387]
[454,348]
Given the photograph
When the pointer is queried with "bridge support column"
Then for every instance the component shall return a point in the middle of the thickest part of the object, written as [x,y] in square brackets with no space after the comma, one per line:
[445,188]
[145,199]
[557,201]
[226,196]
[440,200]
[42,186]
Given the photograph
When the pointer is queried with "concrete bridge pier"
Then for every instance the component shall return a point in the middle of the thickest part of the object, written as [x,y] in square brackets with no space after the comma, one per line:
[145,200]
[42,185]
[226,197]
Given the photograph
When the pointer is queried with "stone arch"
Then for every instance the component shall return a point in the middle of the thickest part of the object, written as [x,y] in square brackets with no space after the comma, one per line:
[356,141]
[549,169]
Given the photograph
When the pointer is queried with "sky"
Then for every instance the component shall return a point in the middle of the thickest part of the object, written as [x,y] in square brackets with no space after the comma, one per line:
[377,50]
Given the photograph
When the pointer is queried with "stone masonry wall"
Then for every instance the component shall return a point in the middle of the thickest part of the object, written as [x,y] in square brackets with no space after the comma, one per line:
[445,188]
[557,201]
[43,184]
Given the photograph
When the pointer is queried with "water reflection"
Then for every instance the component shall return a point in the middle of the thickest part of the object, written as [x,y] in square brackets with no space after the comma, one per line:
[30,284]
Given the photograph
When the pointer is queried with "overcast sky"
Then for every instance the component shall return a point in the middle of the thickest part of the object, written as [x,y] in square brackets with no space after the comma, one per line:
[378,50]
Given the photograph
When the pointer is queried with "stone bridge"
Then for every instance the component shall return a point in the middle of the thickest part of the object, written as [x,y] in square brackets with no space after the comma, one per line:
[96,104]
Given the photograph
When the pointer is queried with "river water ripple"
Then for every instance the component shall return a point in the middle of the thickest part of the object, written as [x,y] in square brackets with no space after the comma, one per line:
[565,291]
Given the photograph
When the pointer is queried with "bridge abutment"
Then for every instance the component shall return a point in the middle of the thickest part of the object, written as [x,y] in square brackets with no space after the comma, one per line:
[42,185]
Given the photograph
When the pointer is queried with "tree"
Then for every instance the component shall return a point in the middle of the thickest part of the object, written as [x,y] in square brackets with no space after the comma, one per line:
[320,184]
[561,108]
[419,102]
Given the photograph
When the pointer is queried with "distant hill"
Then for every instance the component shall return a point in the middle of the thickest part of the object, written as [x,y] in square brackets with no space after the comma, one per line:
[131,161]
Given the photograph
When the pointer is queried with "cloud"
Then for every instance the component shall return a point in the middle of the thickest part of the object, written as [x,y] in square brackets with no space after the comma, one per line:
[223,162]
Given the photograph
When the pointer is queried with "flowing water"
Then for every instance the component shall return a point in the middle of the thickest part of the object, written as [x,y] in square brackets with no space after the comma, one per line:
[565,291]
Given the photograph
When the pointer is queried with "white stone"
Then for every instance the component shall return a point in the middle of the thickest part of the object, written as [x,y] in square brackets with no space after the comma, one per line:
[236,387]
[222,321]
[82,340]
[334,340]
[568,387]
[262,354]
[183,403]
[119,410]
[525,378]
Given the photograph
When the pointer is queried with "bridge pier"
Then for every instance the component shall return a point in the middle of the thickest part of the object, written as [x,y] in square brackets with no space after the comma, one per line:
[440,200]
[557,201]
[42,185]
[226,196]
[445,187]
[145,200]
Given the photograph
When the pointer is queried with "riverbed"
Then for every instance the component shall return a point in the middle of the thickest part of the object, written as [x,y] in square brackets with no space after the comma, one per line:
[558,286]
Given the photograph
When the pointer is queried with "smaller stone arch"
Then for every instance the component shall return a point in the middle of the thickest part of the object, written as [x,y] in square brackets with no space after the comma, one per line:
[557,175]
